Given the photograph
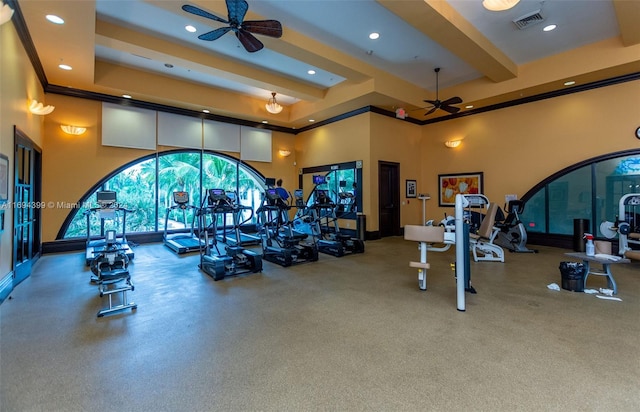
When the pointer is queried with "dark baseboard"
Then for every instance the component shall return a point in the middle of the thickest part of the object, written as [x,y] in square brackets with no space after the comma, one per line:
[72,245]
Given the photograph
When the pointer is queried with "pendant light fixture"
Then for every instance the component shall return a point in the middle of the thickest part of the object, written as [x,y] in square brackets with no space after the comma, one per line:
[272,105]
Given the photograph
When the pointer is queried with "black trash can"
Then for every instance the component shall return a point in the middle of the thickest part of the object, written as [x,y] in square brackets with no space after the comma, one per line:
[361,226]
[572,276]
[580,227]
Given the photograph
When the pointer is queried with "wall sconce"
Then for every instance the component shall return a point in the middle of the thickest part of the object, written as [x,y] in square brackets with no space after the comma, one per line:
[499,5]
[38,108]
[74,130]
[6,13]
[272,105]
[284,152]
[452,143]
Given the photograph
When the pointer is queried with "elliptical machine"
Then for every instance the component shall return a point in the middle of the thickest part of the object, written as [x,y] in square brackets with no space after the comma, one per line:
[326,229]
[237,260]
[280,243]
[512,234]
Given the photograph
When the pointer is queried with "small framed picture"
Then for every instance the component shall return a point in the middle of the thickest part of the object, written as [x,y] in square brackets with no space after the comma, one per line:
[412,188]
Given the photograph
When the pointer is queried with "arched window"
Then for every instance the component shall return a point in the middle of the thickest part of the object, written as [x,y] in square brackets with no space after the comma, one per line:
[588,190]
[146,187]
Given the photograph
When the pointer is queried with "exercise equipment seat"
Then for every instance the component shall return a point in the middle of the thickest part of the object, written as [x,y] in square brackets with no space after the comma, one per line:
[482,242]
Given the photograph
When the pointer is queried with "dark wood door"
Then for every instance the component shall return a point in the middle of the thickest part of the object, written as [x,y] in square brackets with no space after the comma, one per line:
[389,198]
[28,205]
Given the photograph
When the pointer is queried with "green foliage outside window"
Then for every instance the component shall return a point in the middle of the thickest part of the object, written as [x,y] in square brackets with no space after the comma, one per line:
[190,171]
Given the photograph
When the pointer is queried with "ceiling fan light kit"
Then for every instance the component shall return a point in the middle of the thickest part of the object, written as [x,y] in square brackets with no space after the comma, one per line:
[237,9]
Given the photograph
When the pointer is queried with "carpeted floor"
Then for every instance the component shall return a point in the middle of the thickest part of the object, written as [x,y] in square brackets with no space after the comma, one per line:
[341,334]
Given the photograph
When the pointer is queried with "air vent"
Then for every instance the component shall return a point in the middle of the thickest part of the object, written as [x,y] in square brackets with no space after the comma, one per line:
[529,19]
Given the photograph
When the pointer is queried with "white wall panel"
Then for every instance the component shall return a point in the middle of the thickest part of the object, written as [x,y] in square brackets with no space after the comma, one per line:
[255,144]
[131,127]
[179,131]
[221,136]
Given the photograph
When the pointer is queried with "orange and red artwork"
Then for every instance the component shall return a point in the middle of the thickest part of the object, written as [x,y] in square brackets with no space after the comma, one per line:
[463,183]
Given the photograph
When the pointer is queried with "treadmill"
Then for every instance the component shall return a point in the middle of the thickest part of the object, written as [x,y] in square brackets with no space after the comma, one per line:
[107,210]
[181,242]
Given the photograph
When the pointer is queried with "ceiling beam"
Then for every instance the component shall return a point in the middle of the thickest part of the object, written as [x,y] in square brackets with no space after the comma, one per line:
[137,43]
[628,15]
[443,24]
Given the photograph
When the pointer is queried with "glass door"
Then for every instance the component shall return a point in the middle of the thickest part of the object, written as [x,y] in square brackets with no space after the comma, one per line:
[26,213]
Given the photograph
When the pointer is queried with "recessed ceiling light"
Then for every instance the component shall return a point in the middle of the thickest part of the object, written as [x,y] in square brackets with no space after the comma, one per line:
[311,120]
[205,111]
[550,27]
[65,67]
[470,106]
[190,29]
[374,36]
[54,19]
[126,96]
[569,83]
[311,71]
[265,122]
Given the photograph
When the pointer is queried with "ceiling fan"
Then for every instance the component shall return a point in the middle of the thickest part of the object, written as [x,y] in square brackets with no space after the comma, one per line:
[444,105]
[237,9]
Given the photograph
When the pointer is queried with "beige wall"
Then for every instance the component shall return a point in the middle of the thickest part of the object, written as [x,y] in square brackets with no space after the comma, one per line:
[397,141]
[519,146]
[18,86]
[344,141]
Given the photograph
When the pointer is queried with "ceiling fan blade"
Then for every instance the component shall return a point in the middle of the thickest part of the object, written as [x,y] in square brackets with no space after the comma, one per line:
[271,28]
[199,12]
[250,43]
[214,34]
[433,109]
[433,102]
[237,10]
[453,100]
[450,109]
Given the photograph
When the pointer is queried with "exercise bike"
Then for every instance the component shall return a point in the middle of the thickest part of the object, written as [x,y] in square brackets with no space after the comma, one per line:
[512,234]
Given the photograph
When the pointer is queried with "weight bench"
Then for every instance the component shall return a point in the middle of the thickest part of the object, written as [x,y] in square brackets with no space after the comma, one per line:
[425,235]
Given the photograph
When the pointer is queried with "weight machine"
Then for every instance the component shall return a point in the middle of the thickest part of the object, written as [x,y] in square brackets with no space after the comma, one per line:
[627,226]
[457,233]
[111,273]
